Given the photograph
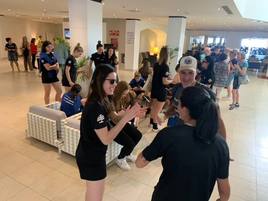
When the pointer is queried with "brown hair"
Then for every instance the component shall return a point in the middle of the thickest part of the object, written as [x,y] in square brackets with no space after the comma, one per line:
[163,56]
[118,92]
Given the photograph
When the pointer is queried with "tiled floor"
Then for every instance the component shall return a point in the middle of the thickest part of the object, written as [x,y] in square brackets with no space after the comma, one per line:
[33,171]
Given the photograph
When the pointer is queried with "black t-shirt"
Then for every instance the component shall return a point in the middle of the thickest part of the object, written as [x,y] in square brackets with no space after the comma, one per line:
[209,73]
[98,58]
[11,47]
[112,60]
[190,167]
[90,148]
[159,72]
[177,92]
[70,61]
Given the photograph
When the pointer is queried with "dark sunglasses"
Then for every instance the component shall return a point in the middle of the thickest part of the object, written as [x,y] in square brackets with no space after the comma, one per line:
[112,81]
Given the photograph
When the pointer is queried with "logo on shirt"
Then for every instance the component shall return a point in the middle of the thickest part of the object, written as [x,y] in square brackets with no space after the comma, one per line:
[70,62]
[100,119]
[43,61]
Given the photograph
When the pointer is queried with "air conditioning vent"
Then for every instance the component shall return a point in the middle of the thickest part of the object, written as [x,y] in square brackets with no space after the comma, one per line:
[227,10]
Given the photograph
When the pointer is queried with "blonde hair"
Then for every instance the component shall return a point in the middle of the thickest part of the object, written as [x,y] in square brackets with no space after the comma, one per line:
[78,48]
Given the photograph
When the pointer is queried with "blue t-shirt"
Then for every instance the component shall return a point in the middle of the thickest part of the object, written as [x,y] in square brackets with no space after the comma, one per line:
[134,83]
[70,105]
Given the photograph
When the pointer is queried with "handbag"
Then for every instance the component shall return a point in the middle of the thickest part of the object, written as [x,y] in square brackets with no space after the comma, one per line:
[243,79]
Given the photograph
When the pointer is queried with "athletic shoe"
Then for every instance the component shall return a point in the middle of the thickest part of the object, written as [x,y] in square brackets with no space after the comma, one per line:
[232,106]
[122,163]
[237,105]
[155,127]
[131,158]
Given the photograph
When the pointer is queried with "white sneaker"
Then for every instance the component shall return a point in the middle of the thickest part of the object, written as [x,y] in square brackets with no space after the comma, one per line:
[131,158]
[122,163]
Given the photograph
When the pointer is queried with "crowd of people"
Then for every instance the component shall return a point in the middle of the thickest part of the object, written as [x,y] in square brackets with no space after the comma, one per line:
[193,146]
[222,68]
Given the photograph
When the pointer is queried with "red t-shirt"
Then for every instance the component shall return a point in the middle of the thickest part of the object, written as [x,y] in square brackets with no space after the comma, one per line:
[33,48]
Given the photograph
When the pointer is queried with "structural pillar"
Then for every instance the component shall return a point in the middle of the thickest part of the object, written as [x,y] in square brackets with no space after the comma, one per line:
[175,39]
[132,44]
[85,21]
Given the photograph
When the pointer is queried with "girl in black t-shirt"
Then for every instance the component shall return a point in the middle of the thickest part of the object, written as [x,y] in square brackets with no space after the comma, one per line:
[161,78]
[12,50]
[194,156]
[98,57]
[49,68]
[111,58]
[96,133]
[70,71]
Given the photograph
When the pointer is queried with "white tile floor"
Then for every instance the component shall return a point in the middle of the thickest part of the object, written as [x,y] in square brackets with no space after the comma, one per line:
[33,171]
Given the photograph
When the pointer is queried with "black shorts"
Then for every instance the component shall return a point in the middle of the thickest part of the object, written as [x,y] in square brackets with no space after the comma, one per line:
[65,83]
[48,80]
[91,167]
[236,83]
[159,96]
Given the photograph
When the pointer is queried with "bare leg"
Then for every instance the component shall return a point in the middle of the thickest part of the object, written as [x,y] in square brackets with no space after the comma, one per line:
[12,65]
[67,89]
[156,109]
[57,87]
[95,190]
[17,64]
[237,96]
[47,89]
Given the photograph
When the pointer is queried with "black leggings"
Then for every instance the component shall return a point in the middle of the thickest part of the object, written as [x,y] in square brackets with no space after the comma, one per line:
[129,137]
[33,60]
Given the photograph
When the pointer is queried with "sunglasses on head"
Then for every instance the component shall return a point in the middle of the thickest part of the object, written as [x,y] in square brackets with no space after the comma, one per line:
[112,81]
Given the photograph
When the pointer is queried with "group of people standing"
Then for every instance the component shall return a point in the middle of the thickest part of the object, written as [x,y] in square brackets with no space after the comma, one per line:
[221,68]
[29,53]
[194,151]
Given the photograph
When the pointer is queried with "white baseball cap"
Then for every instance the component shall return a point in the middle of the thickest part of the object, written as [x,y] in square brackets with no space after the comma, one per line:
[188,63]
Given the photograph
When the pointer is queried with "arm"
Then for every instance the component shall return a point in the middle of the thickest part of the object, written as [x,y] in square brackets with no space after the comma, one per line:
[106,137]
[141,162]
[224,189]
[67,73]
[222,128]
[166,81]
[51,67]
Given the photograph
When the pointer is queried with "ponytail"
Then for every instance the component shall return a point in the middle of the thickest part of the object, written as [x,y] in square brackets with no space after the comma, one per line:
[78,48]
[207,123]
[202,109]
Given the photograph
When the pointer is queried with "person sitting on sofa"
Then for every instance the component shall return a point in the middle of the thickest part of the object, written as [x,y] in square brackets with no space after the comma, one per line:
[71,101]
[137,83]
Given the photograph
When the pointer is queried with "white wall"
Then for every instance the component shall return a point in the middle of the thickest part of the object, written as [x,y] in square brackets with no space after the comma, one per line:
[114,25]
[16,28]
[232,38]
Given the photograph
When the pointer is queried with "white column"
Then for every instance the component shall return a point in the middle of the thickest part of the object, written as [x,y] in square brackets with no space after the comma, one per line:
[132,44]
[175,38]
[85,21]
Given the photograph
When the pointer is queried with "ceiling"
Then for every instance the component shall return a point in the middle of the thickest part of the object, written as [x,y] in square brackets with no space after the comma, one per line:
[201,14]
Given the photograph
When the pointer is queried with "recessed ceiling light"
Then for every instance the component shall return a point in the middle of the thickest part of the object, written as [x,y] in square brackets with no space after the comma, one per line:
[219,9]
[178,10]
[42,0]
[9,10]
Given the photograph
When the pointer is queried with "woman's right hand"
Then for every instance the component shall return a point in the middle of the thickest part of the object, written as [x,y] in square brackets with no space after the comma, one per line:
[132,112]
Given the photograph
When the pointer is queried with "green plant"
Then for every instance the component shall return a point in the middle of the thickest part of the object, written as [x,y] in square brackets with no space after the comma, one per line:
[173,52]
[82,62]
[60,40]
[83,72]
